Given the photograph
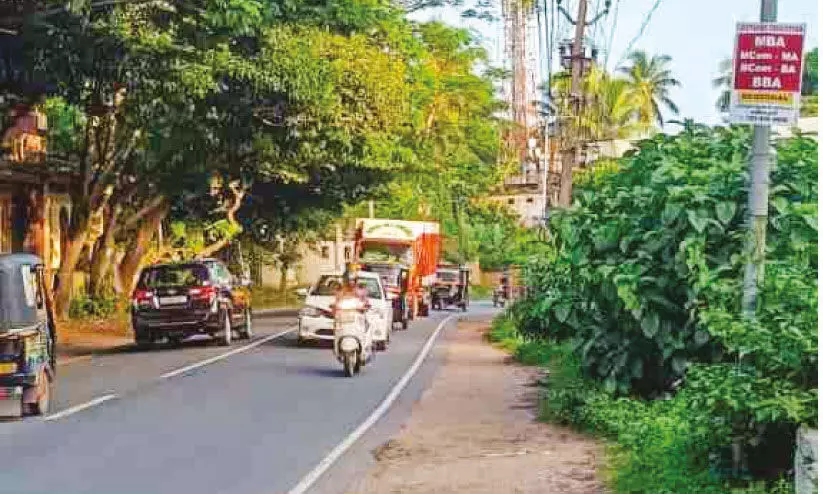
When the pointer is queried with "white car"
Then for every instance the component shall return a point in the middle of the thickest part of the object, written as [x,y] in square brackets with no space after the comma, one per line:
[316,319]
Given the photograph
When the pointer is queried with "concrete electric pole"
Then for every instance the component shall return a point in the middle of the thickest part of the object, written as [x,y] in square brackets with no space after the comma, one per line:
[578,99]
[758,195]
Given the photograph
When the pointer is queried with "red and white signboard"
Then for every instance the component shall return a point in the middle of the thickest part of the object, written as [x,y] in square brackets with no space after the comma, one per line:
[768,69]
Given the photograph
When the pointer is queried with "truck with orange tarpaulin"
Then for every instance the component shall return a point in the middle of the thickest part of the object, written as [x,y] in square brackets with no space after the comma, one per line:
[406,254]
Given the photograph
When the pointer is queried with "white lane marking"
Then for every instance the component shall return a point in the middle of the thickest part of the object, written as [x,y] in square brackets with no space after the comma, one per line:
[80,407]
[216,358]
[378,412]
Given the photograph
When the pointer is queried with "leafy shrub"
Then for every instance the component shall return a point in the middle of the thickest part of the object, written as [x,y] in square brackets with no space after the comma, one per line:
[649,262]
[660,446]
[645,285]
[95,308]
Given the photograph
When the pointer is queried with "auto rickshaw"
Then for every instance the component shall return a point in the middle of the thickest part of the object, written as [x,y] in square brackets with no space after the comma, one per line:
[451,287]
[27,337]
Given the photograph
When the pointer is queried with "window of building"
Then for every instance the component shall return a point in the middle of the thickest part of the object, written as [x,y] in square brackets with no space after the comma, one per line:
[324,252]
[530,200]
[347,253]
[511,201]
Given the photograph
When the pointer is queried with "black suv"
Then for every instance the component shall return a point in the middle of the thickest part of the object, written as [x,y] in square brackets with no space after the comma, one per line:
[181,300]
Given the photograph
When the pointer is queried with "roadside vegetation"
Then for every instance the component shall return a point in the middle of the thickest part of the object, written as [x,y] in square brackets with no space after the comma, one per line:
[636,311]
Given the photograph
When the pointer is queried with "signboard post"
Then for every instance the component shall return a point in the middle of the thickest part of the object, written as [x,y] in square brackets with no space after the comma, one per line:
[768,68]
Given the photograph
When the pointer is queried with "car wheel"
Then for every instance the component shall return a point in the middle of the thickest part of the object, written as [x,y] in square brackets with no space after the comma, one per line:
[247,331]
[224,339]
[380,346]
[44,391]
[142,338]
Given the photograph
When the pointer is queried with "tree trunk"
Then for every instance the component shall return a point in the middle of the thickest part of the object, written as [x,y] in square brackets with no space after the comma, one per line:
[101,260]
[132,262]
[238,193]
[284,276]
[62,292]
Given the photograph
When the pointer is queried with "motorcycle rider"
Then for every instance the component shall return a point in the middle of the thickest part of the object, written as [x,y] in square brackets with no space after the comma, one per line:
[350,288]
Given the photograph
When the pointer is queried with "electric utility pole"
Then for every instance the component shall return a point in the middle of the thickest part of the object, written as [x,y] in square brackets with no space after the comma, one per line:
[576,96]
[758,195]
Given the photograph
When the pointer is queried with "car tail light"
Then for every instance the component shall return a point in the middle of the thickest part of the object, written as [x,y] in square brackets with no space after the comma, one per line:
[203,293]
[143,297]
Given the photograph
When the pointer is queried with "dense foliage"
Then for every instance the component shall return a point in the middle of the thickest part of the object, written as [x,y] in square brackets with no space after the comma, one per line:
[646,273]
[208,120]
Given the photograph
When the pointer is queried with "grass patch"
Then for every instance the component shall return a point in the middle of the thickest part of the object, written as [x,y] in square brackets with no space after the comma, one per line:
[655,447]
[482,292]
[266,297]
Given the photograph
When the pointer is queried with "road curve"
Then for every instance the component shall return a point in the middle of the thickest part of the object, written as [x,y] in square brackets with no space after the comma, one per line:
[256,422]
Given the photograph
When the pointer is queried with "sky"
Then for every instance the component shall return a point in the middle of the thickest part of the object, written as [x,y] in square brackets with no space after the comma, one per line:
[697,34]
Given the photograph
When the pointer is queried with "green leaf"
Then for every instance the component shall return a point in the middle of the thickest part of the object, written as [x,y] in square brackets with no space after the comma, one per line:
[650,324]
[725,211]
[679,364]
[698,222]
[561,313]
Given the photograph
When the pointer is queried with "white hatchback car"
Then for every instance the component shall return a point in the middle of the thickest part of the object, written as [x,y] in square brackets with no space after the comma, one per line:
[316,319]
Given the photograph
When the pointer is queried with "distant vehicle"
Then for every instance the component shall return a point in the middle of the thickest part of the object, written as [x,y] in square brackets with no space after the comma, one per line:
[412,244]
[510,288]
[316,318]
[27,337]
[176,301]
[395,279]
[451,287]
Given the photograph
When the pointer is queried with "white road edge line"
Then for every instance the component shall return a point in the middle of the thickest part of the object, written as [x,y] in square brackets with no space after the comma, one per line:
[80,407]
[376,415]
[217,358]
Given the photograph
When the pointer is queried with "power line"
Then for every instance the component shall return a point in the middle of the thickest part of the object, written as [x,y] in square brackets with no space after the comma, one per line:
[641,31]
[611,35]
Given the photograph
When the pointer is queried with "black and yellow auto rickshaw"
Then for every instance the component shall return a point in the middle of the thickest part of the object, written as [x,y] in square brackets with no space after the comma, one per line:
[451,287]
[27,337]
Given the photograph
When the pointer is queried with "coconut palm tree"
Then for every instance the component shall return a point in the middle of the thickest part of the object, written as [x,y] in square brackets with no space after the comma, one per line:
[650,81]
[723,82]
[609,113]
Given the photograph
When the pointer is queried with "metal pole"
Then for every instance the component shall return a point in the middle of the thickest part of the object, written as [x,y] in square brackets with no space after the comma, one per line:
[758,196]
[570,151]
[545,178]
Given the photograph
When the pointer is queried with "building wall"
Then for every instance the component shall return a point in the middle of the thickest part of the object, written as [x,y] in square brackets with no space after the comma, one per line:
[528,207]
[318,258]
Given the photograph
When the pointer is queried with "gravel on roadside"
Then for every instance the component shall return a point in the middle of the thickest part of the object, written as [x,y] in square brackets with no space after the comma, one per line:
[475,431]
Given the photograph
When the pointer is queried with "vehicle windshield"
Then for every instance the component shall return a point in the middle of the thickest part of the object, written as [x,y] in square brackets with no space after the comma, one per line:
[184,275]
[389,274]
[447,276]
[328,285]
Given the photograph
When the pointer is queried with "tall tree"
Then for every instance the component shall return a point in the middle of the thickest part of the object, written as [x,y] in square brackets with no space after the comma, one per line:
[650,83]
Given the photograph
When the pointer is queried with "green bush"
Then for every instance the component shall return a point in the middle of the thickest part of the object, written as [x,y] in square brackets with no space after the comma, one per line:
[660,446]
[94,308]
[643,290]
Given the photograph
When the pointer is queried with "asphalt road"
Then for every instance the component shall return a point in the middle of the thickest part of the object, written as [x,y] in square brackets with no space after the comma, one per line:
[190,420]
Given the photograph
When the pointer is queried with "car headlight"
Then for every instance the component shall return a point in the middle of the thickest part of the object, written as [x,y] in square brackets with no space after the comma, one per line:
[310,312]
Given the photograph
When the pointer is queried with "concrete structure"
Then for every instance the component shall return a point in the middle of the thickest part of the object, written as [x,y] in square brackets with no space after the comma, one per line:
[321,257]
[806,126]
[805,461]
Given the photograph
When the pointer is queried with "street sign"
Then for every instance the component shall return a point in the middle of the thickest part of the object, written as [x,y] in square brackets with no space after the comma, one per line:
[768,68]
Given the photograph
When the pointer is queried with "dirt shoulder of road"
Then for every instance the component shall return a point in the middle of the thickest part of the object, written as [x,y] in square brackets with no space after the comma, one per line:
[79,339]
[475,432]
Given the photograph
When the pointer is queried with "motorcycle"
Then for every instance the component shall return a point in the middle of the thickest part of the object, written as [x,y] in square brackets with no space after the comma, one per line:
[352,337]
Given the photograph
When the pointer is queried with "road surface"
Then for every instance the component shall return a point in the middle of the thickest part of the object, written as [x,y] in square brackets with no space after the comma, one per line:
[194,420]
